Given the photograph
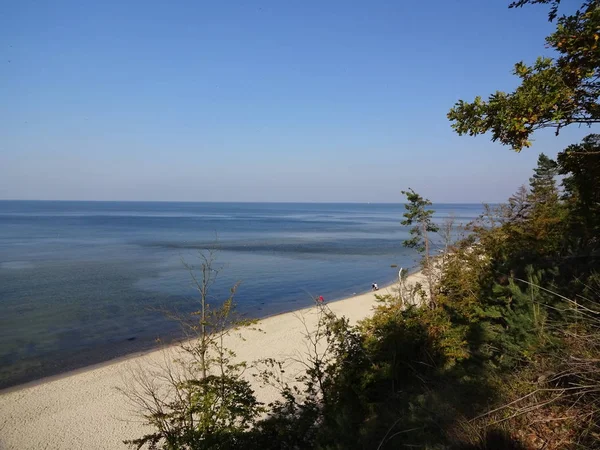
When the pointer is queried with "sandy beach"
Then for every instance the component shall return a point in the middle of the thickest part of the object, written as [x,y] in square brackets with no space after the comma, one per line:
[85,410]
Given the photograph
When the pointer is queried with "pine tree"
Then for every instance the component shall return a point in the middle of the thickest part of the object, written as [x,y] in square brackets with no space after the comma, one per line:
[420,218]
[543,184]
[580,163]
[416,214]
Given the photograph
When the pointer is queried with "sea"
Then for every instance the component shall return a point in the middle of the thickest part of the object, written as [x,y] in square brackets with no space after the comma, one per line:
[85,282]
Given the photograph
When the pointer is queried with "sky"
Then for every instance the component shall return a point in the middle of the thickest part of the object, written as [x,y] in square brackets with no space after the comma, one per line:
[329,101]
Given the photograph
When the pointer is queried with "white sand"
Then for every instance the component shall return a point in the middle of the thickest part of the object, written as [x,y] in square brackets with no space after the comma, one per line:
[84,410]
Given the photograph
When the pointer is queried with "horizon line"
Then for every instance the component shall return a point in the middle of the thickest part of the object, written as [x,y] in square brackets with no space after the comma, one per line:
[237,201]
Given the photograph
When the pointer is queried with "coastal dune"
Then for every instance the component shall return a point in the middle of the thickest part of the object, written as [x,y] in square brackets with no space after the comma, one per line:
[85,409]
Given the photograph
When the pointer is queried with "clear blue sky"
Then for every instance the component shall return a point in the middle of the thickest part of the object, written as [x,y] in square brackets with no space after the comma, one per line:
[258,101]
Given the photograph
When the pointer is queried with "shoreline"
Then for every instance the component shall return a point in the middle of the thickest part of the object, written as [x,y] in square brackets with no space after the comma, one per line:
[175,342]
[83,408]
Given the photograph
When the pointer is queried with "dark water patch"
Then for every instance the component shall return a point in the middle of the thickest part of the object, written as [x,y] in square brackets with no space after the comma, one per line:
[363,247]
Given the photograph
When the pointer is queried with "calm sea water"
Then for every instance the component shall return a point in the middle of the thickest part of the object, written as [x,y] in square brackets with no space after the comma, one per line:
[80,282]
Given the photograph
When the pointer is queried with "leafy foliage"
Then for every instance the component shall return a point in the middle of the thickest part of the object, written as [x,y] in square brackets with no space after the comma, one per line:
[197,398]
[553,9]
[552,93]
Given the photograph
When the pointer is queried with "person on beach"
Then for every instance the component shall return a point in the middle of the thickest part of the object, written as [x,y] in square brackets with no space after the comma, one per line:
[374,287]
[320,299]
